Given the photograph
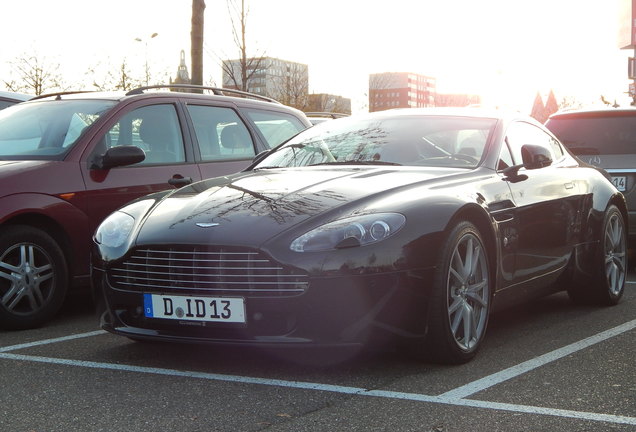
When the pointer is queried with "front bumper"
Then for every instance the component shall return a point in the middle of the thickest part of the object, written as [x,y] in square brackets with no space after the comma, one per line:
[333,311]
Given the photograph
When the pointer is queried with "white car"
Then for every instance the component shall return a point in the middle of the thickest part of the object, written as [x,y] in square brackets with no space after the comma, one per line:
[11,98]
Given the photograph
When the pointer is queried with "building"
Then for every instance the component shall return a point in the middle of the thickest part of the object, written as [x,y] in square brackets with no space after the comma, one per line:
[183,77]
[400,90]
[323,102]
[285,81]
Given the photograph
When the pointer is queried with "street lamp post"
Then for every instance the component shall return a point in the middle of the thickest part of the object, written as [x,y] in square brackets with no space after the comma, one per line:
[146,66]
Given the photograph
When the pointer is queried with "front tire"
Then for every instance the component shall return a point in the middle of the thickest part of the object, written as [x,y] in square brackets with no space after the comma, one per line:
[33,277]
[460,299]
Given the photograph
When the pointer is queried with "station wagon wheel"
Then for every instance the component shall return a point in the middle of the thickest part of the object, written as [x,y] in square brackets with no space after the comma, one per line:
[460,299]
[33,277]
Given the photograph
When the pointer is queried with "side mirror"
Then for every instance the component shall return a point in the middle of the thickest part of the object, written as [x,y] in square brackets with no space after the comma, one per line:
[535,156]
[119,156]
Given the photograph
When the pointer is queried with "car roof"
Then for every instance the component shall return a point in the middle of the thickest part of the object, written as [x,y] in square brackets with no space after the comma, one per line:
[474,112]
[173,90]
[238,97]
[595,112]
[15,96]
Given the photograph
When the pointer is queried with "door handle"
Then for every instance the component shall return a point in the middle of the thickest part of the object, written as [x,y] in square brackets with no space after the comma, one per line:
[569,185]
[179,181]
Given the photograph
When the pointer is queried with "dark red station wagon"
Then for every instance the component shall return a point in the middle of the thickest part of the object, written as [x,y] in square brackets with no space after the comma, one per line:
[70,159]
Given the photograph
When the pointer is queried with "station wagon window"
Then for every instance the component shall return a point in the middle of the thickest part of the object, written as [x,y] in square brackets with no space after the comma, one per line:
[276,127]
[155,129]
[47,129]
[221,133]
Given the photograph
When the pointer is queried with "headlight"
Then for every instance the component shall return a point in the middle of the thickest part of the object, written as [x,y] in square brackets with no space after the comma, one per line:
[350,232]
[115,229]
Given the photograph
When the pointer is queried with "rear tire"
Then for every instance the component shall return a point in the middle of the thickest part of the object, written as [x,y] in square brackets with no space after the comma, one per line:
[607,285]
[33,277]
[460,298]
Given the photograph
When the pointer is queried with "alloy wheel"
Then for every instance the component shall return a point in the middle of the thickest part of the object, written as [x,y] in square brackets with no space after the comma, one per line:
[615,253]
[468,292]
[26,278]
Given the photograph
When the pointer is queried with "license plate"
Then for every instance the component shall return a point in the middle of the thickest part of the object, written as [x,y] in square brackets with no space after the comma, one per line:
[188,308]
[620,182]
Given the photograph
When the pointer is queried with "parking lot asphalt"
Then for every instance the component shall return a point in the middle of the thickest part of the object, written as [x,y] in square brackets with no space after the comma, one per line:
[545,366]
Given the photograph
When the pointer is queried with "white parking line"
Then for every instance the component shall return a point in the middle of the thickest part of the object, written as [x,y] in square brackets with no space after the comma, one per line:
[332,388]
[50,341]
[514,371]
[456,397]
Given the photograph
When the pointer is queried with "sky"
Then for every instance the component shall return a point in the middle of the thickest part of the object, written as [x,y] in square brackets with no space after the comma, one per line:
[507,51]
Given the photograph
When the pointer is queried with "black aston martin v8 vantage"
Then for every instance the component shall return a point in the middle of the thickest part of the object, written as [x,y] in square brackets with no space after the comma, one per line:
[405,225]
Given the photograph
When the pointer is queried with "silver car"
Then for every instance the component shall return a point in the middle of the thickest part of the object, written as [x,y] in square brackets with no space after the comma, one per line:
[605,138]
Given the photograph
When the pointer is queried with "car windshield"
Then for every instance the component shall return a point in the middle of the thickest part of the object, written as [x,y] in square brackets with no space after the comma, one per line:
[400,140]
[587,135]
[46,129]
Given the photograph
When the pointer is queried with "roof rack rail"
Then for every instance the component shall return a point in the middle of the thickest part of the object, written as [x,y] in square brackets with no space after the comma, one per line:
[326,114]
[215,90]
[60,94]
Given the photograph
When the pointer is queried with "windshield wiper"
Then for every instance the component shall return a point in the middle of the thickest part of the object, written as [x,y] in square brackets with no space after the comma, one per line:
[267,167]
[354,162]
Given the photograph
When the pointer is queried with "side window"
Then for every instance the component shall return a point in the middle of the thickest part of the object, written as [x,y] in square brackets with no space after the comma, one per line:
[155,129]
[556,148]
[276,127]
[505,158]
[221,133]
[521,133]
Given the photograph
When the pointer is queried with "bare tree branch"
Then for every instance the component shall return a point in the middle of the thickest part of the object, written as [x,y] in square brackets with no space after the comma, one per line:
[36,75]
[248,66]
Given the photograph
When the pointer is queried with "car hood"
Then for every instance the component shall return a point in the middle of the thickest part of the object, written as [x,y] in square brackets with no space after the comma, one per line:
[250,208]
[10,167]
[26,176]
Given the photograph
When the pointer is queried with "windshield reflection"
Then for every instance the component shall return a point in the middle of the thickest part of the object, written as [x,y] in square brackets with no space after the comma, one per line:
[457,142]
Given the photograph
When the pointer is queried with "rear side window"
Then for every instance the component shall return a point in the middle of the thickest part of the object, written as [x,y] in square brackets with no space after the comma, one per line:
[588,135]
[221,133]
[276,127]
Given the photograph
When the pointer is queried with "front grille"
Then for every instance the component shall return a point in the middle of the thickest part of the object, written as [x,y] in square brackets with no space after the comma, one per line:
[186,269]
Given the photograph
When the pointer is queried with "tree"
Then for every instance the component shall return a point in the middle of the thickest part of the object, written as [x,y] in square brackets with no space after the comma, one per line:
[196,40]
[456,100]
[538,109]
[322,102]
[239,73]
[36,75]
[121,77]
[569,102]
[115,79]
[551,105]
[608,103]
[292,88]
